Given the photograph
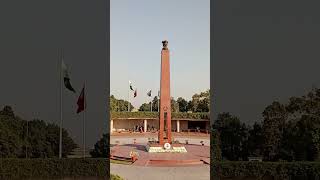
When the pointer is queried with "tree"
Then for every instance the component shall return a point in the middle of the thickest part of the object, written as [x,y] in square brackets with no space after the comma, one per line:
[233,135]
[301,140]
[119,104]
[101,148]
[183,104]
[41,141]
[190,106]
[275,116]
[215,145]
[174,106]
[145,107]
[291,130]
[7,111]
[155,104]
[200,102]
[255,140]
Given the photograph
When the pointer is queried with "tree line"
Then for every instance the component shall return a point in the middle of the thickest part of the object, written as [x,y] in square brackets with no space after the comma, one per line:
[289,132]
[32,139]
[199,103]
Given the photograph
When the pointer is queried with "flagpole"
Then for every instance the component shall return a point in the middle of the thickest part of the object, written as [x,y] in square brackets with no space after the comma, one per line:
[60,139]
[129,97]
[151,102]
[84,120]
[158,101]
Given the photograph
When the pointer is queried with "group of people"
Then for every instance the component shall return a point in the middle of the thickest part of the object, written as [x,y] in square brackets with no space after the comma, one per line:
[140,128]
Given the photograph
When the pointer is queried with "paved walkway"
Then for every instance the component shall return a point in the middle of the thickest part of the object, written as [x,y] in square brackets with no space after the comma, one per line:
[194,153]
[128,172]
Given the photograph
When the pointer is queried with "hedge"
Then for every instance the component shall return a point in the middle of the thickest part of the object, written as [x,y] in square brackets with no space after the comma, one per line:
[277,170]
[144,114]
[53,168]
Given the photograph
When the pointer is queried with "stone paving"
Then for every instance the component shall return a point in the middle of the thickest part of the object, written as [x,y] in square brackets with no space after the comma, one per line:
[128,172]
[194,152]
[141,170]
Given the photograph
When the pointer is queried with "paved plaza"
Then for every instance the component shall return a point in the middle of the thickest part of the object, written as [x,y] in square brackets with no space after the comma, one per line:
[201,172]
[142,138]
[140,170]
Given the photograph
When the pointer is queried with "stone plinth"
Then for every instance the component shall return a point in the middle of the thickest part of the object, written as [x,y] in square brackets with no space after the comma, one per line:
[175,148]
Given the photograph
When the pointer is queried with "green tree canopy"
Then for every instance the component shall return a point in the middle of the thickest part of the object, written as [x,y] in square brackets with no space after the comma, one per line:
[117,105]
[233,135]
[101,148]
[34,138]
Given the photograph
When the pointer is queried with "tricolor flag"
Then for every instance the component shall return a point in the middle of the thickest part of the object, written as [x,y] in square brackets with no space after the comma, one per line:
[135,93]
[81,101]
[130,86]
[66,78]
[149,93]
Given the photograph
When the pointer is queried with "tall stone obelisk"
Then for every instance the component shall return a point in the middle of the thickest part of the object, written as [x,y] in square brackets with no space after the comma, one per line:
[165,98]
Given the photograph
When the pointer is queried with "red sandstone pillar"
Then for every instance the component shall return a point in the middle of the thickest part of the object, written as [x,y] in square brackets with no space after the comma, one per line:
[165,98]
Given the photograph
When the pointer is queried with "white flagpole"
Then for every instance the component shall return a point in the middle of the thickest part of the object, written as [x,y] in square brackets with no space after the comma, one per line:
[150,101]
[129,97]
[84,120]
[158,100]
[60,140]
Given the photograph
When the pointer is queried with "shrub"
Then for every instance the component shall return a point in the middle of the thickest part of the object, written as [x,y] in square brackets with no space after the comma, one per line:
[54,168]
[277,170]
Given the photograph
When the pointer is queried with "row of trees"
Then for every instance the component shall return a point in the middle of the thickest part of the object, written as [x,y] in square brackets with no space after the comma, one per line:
[119,104]
[32,139]
[289,132]
[199,103]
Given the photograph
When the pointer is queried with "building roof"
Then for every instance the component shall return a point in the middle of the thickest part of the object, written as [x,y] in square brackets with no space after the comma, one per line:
[174,119]
[155,115]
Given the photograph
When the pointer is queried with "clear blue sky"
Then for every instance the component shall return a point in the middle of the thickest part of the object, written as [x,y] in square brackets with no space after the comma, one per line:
[137,29]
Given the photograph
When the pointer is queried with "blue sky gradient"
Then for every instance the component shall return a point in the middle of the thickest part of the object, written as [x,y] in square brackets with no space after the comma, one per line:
[137,29]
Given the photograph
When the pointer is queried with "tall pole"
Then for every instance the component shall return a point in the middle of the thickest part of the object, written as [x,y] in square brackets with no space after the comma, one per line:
[60,140]
[151,103]
[84,121]
[158,99]
[27,141]
[129,97]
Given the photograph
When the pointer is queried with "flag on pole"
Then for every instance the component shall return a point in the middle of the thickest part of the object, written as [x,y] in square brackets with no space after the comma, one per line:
[66,78]
[135,93]
[131,86]
[158,93]
[81,101]
[149,93]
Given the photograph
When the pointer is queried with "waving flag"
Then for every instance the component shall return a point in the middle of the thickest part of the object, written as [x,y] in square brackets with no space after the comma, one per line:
[149,93]
[66,78]
[81,101]
[135,93]
[130,84]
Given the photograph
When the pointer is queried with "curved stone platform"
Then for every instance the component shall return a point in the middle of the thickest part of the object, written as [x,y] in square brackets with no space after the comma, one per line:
[196,155]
